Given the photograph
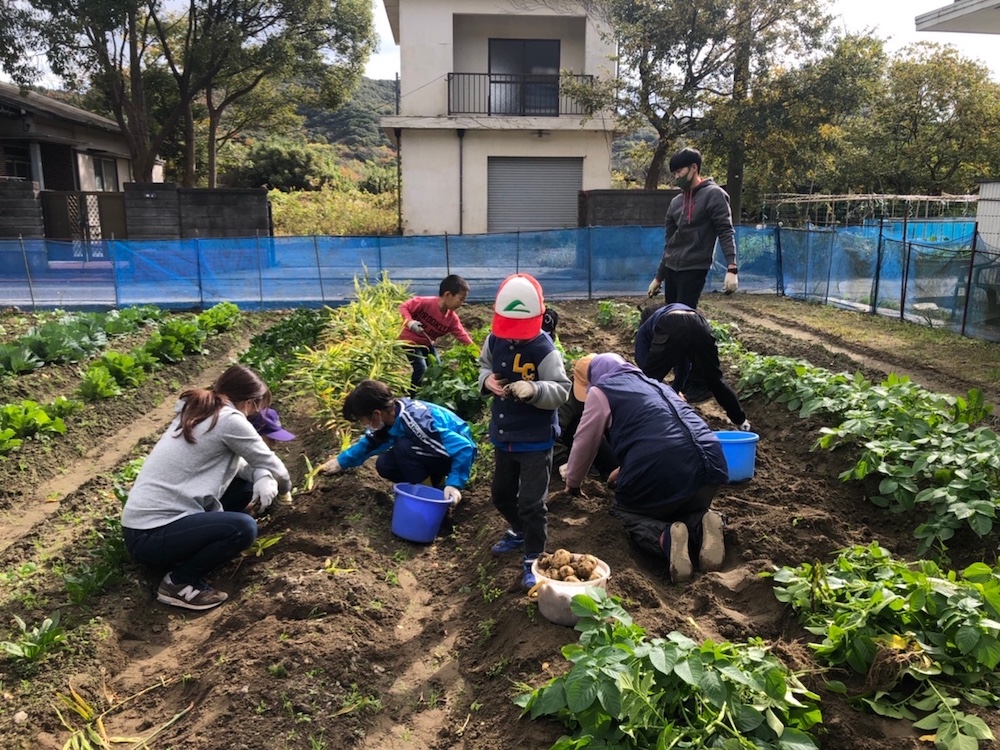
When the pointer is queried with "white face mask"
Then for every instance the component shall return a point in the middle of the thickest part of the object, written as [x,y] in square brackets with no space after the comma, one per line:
[373,428]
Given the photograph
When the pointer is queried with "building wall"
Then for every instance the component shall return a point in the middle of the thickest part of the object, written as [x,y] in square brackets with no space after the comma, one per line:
[433,43]
[430,187]
[20,210]
[88,179]
[473,33]
[988,212]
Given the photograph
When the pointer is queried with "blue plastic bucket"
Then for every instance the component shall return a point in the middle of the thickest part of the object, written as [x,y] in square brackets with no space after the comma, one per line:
[740,450]
[418,512]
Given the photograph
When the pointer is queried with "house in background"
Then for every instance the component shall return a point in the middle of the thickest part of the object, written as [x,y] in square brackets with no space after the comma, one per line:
[72,163]
[59,146]
[488,141]
[972,16]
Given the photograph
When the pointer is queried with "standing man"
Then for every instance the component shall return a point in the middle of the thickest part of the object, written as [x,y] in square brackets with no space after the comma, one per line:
[696,219]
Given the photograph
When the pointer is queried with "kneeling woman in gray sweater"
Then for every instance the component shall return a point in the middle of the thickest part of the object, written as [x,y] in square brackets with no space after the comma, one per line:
[173,518]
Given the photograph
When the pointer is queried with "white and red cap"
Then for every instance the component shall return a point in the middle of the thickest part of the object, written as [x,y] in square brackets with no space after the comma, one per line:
[519,307]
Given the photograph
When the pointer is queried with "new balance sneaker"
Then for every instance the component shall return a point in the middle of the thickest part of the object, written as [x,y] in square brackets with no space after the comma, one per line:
[713,544]
[511,542]
[528,580]
[680,560]
[189,596]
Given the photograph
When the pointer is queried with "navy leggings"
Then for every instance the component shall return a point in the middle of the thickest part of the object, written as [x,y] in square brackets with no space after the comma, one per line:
[192,546]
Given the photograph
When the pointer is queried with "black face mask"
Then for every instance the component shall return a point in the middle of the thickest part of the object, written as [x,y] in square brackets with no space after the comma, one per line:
[684,182]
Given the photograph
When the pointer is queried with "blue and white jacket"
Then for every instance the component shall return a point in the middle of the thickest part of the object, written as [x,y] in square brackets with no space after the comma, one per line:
[424,429]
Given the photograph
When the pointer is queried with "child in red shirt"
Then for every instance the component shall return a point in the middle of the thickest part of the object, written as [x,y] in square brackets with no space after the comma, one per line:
[426,319]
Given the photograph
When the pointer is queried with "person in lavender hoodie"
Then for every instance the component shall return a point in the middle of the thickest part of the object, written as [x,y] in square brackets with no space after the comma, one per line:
[670,463]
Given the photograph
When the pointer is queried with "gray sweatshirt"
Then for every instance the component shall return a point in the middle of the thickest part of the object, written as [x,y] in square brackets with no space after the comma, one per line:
[695,220]
[180,478]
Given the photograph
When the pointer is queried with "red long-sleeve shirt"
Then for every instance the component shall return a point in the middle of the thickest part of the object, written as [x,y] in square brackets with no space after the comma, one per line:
[436,323]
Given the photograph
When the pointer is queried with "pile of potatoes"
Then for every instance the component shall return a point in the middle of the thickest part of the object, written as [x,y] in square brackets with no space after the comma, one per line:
[563,565]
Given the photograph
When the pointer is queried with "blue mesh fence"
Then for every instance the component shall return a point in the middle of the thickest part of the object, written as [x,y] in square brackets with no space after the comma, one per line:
[936,276]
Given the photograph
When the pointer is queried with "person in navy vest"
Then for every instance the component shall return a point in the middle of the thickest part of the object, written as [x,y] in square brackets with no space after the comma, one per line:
[670,463]
[521,367]
[415,441]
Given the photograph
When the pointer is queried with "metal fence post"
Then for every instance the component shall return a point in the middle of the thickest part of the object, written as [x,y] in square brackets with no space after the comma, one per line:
[590,263]
[260,273]
[779,276]
[319,270]
[905,255]
[968,279]
[447,255]
[517,253]
[27,270]
[197,259]
[878,267]
[114,268]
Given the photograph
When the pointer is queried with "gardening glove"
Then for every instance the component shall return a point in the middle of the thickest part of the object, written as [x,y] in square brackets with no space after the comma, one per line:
[654,287]
[452,495]
[576,492]
[563,471]
[731,283]
[330,467]
[265,490]
[495,385]
[522,390]
[416,326]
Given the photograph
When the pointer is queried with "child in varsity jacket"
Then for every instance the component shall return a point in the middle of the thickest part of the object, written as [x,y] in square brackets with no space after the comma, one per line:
[521,367]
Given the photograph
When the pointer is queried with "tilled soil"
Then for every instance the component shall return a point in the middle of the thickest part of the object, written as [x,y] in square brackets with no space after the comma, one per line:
[342,635]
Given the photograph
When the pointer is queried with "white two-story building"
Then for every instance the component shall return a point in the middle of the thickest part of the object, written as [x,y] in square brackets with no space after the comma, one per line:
[489,141]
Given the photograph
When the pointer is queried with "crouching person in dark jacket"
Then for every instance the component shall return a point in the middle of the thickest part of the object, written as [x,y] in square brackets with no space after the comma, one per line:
[671,463]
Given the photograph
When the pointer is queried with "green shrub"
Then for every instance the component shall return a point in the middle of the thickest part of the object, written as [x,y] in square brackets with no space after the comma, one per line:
[333,212]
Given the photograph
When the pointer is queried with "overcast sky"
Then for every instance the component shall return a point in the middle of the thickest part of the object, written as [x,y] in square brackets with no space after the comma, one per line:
[892,20]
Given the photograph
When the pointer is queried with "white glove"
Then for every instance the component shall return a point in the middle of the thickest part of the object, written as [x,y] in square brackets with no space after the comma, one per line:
[654,287]
[330,467]
[563,471]
[416,326]
[452,495]
[522,390]
[265,490]
[731,283]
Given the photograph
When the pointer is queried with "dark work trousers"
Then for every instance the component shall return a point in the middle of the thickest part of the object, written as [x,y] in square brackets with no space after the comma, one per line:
[683,341]
[686,287]
[646,526]
[418,358]
[520,489]
[194,545]
[407,466]
[237,495]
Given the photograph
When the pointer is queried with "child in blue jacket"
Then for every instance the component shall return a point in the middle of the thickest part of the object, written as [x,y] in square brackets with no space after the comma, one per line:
[414,440]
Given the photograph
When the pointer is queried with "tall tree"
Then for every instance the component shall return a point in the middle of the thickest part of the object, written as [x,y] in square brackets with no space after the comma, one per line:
[16,42]
[113,42]
[795,121]
[933,128]
[677,58]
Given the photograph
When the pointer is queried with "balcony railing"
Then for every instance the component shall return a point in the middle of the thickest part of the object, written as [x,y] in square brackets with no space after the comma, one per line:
[518,95]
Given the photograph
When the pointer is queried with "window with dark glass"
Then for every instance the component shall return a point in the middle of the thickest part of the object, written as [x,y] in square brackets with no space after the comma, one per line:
[16,163]
[524,76]
[106,174]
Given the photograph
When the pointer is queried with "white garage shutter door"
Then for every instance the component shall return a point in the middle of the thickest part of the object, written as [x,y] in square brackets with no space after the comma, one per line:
[527,194]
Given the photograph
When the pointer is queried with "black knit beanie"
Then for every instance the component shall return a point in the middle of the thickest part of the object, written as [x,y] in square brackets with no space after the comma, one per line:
[685,158]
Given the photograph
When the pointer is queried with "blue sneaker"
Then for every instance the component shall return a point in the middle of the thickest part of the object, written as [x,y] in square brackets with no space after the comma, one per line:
[511,542]
[528,580]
